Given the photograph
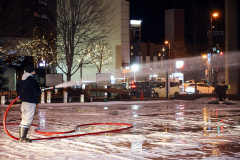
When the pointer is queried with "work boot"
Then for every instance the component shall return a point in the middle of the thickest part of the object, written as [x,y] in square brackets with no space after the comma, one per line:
[22,135]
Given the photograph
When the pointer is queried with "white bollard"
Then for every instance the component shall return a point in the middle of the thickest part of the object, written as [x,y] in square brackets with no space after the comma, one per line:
[65,94]
[56,91]
[49,97]
[3,100]
[42,98]
[82,98]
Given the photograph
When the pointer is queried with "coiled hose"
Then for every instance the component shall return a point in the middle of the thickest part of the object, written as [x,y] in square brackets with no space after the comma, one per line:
[59,137]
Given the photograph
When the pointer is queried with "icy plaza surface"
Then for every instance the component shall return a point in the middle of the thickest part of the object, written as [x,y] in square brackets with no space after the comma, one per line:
[162,130]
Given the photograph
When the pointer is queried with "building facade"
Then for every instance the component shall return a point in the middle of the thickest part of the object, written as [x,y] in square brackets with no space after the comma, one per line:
[232,72]
[174,28]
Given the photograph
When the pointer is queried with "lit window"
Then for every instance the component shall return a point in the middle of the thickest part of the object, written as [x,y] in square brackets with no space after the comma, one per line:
[159,54]
[131,53]
[131,47]
[163,49]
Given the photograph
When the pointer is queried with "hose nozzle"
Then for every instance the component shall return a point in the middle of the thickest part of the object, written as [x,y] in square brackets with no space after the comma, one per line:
[53,87]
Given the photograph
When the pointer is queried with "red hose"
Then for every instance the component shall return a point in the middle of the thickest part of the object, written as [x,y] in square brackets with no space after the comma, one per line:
[4,118]
[51,133]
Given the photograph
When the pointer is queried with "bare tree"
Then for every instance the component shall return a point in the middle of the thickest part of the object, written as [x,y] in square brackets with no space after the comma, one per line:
[100,56]
[80,24]
[39,48]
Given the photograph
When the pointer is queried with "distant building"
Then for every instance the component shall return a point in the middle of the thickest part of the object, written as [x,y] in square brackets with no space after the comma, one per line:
[174,27]
[135,33]
[148,55]
[232,44]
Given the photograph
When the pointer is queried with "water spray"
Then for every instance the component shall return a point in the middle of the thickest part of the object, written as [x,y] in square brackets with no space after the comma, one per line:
[59,137]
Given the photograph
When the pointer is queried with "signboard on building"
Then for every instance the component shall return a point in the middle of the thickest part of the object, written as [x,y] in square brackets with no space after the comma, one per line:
[179,64]
[103,79]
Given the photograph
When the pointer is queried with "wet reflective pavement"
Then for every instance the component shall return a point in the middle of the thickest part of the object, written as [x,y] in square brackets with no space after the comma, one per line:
[162,130]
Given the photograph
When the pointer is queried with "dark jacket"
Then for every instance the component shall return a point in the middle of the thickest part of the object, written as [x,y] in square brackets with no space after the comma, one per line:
[28,89]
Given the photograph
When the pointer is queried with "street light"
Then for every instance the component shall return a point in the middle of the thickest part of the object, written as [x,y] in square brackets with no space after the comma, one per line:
[204,56]
[210,35]
[134,67]
[166,42]
[167,79]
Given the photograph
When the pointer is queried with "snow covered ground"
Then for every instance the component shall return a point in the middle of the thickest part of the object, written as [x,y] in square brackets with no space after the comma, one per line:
[173,129]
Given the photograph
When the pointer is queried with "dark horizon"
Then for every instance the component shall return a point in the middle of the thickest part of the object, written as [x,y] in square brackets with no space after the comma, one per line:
[152,14]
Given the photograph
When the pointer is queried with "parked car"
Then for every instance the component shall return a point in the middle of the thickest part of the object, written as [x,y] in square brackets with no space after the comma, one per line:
[187,83]
[159,89]
[202,88]
[138,87]
[202,81]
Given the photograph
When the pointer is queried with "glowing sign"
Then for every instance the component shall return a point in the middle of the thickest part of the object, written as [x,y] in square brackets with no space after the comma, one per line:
[135,22]
[42,64]
[179,64]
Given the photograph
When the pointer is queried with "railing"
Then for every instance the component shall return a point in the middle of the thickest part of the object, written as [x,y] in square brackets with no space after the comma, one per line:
[7,96]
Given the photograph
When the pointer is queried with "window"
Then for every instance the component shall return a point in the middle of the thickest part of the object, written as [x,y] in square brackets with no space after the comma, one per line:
[131,47]
[162,84]
[173,84]
[44,16]
[156,84]
[205,85]
[131,53]
[159,54]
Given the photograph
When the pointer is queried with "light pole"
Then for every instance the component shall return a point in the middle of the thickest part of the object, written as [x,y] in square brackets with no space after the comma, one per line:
[166,42]
[134,67]
[210,35]
[210,48]
[167,79]
[205,56]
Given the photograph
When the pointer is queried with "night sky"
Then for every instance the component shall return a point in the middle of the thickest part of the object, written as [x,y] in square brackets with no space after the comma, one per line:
[152,14]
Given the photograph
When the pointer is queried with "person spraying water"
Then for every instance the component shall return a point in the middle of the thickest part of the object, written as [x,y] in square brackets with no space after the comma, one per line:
[29,90]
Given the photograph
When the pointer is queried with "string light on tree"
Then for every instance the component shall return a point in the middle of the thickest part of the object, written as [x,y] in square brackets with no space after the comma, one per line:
[100,56]
[40,49]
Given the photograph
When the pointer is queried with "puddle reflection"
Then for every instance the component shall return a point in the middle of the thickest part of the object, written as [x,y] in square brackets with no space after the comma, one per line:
[175,130]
